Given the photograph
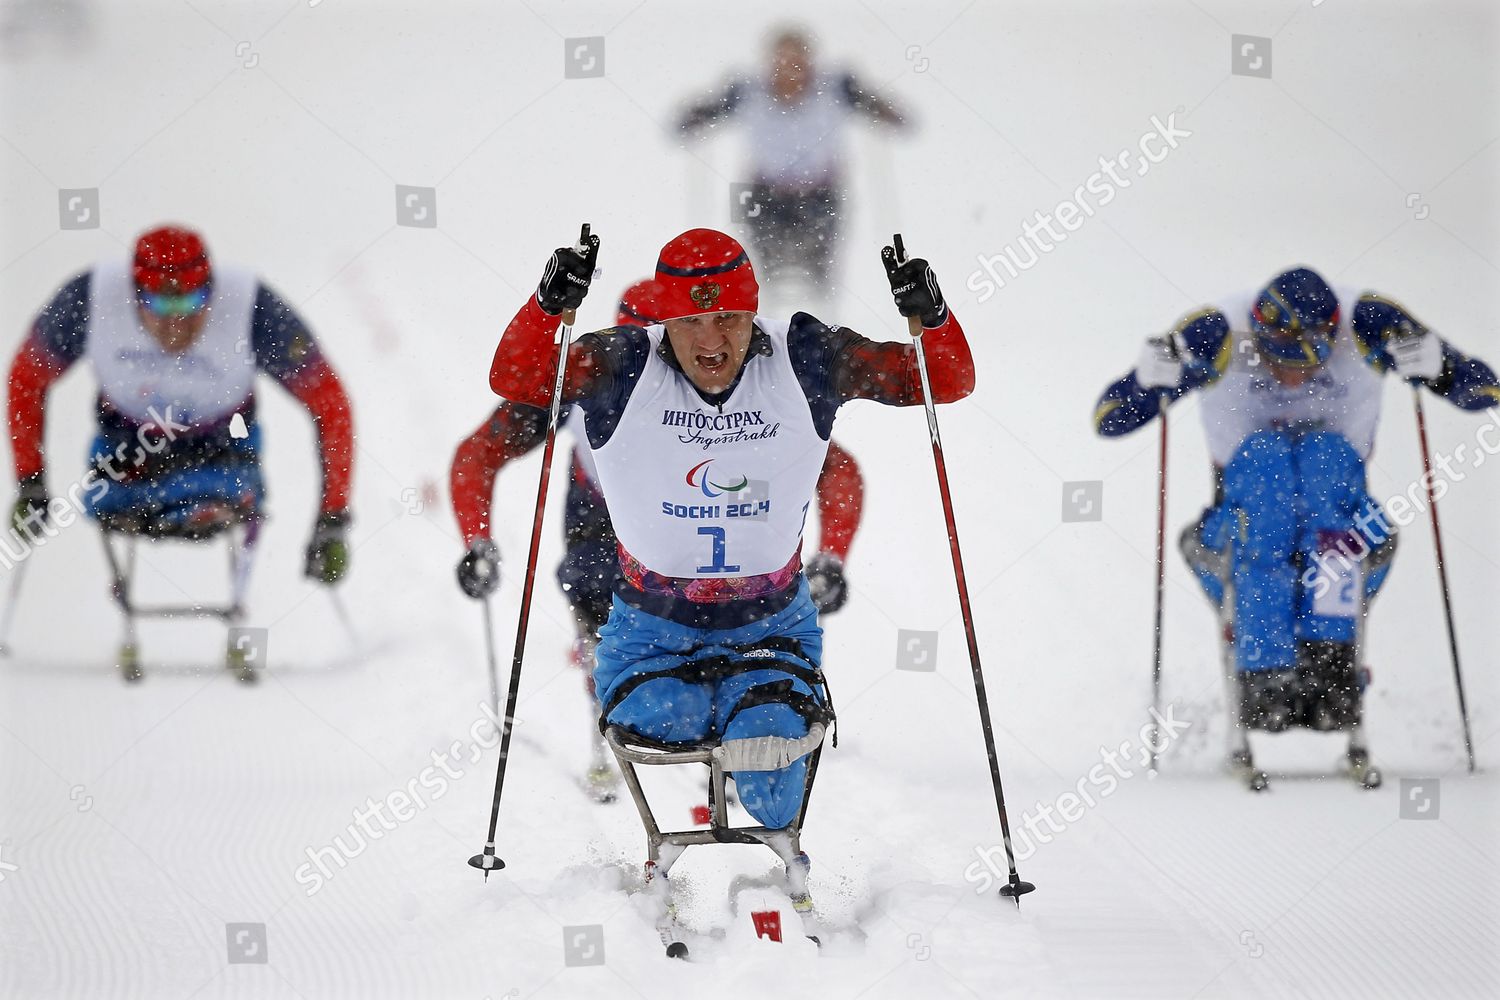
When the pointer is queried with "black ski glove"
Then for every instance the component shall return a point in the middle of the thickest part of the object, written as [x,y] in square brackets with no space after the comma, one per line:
[825,581]
[479,569]
[913,285]
[31,504]
[566,280]
[328,549]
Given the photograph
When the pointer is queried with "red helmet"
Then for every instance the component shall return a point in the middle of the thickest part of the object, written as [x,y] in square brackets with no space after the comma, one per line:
[639,304]
[171,260]
[705,271]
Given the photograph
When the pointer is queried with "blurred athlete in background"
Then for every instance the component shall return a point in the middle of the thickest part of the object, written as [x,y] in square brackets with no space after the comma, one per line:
[795,115]
[175,343]
[1293,548]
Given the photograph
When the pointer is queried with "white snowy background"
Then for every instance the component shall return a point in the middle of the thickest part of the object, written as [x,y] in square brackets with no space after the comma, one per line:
[136,822]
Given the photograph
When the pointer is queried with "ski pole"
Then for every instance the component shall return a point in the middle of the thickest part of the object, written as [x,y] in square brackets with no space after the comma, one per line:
[1015,888]
[489,655]
[342,613]
[1161,576]
[486,861]
[16,576]
[1442,567]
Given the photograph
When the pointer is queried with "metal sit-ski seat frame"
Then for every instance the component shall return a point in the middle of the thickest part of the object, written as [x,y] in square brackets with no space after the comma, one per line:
[665,847]
[120,545]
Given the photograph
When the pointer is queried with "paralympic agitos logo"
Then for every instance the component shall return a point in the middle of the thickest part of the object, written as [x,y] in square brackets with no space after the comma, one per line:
[697,478]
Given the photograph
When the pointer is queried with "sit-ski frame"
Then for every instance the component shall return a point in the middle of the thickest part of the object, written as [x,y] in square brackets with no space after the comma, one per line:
[120,551]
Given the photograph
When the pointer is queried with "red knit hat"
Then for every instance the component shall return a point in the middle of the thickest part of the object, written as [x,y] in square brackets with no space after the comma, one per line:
[171,260]
[705,271]
[639,304]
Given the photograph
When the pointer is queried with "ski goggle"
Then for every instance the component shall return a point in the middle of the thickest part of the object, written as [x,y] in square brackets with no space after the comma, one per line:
[1284,340]
[187,304]
[1299,349]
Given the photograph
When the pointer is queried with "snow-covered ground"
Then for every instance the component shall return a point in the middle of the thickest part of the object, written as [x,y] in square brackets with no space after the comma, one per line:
[137,823]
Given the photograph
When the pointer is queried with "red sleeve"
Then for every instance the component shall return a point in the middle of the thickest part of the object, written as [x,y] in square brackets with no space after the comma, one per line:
[510,432]
[841,500]
[886,371]
[317,387]
[526,359]
[31,374]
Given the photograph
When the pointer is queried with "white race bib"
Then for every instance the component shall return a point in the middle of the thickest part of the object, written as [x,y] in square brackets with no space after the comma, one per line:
[1337,580]
[701,491]
[205,383]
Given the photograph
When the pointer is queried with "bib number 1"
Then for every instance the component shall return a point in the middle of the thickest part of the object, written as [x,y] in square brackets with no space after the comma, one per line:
[717,565]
